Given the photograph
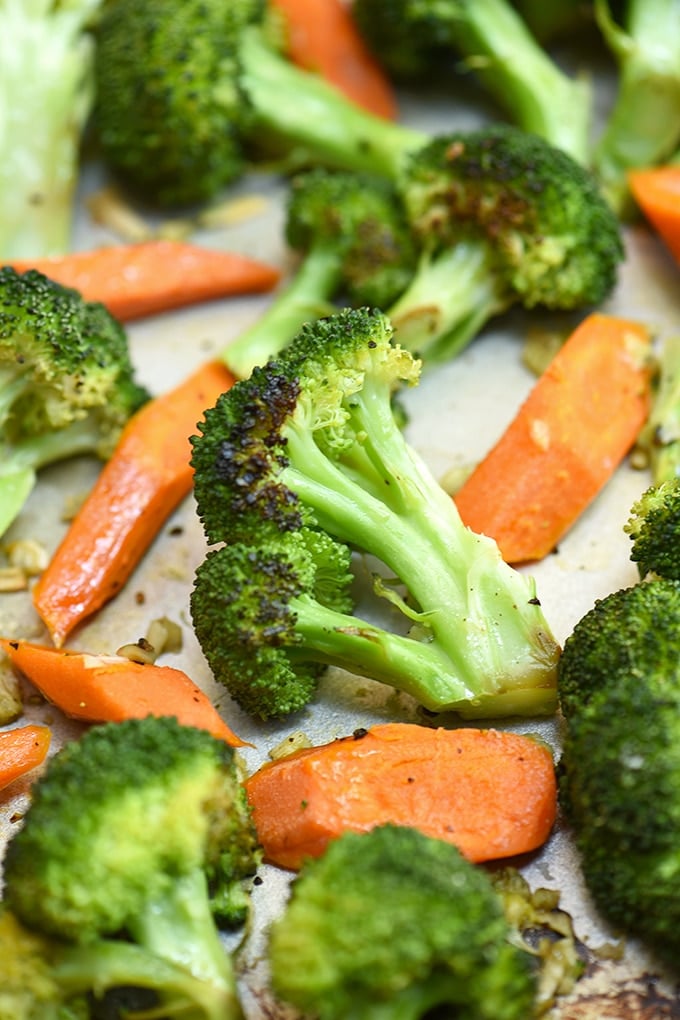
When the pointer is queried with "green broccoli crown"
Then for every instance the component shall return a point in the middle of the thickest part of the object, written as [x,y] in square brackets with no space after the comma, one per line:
[334,953]
[243,606]
[654,529]
[61,360]
[409,37]
[117,817]
[240,457]
[631,632]
[554,239]
[619,782]
[169,109]
[361,217]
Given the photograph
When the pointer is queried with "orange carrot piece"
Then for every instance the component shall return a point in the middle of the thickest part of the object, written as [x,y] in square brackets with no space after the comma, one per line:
[321,36]
[22,749]
[491,793]
[108,688]
[657,191]
[134,280]
[566,440]
[147,476]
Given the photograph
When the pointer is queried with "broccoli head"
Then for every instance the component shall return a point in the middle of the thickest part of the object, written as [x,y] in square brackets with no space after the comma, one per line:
[66,381]
[311,441]
[654,529]
[127,828]
[188,89]
[620,767]
[351,234]
[394,925]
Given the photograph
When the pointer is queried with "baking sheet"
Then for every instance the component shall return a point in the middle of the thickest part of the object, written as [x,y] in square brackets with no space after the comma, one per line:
[456,413]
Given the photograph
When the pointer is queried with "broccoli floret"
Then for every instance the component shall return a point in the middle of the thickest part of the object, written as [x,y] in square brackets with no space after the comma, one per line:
[643,126]
[491,37]
[502,218]
[351,234]
[126,831]
[394,925]
[66,381]
[46,80]
[186,89]
[620,766]
[310,440]
[654,529]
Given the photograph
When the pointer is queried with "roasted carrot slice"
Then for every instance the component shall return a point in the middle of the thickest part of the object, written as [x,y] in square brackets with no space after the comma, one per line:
[145,479]
[22,749]
[110,688]
[134,280]
[321,36]
[491,793]
[566,440]
[657,191]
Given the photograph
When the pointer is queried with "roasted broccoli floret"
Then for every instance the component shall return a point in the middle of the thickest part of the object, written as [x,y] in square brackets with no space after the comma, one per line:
[47,87]
[654,529]
[66,381]
[310,441]
[620,766]
[187,90]
[492,39]
[642,128]
[394,925]
[502,218]
[128,831]
[353,239]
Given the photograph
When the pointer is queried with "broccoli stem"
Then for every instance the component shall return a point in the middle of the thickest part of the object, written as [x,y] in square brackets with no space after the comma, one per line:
[480,612]
[643,126]
[303,299]
[305,112]
[46,76]
[521,76]
[450,298]
[179,928]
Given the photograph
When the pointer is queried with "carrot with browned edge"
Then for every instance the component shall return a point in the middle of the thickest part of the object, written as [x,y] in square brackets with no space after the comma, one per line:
[22,749]
[135,280]
[147,476]
[108,688]
[566,440]
[657,192]
[491,793]
[321,36]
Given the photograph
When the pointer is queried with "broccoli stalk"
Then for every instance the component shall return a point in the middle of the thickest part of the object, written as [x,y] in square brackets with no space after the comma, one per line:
[66,381]
[659,439]
[333,955]
[643,126]
[351,234]
[47,85]
[311,439]
[495,43]
[185,89]
[119,875]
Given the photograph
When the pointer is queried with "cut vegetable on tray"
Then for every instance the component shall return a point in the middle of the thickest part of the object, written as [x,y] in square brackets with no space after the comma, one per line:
[147,476]
[110,688]
[491,793]
[22,750]
[657,192]
[568,437]
[135,280]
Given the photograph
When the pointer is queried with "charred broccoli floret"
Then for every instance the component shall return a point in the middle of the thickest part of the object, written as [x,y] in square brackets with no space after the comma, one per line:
[310,441]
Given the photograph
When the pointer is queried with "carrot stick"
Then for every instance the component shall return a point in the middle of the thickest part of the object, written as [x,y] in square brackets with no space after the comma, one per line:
[108,688]
[21,750]
[134,280]
[567,439]
[147,476]
[491,793]
[321,36]
[657,192]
